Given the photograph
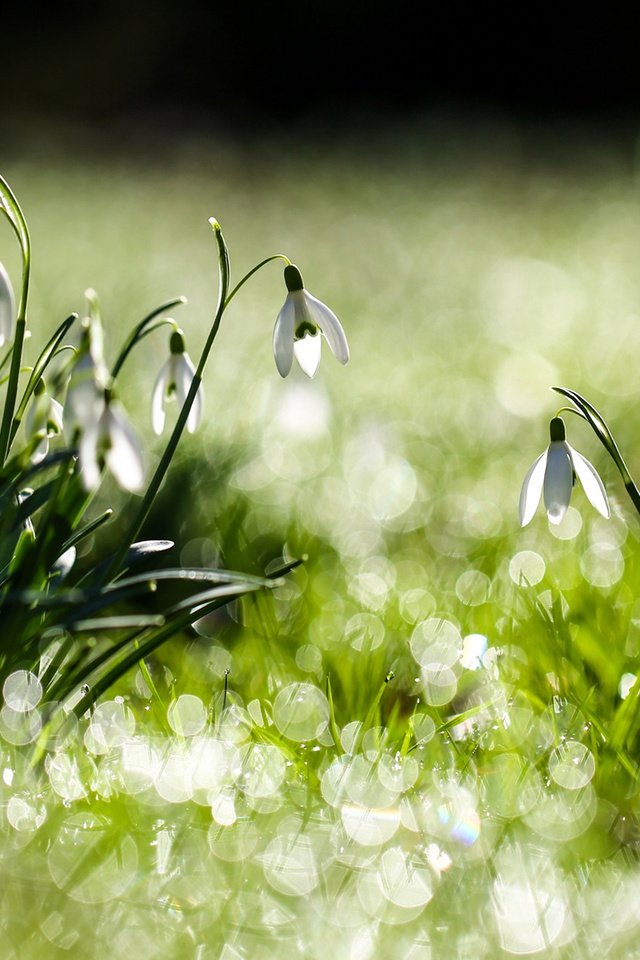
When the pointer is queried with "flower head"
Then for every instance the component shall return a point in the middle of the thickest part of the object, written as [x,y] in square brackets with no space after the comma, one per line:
[44,417]
[174,380]
[299,327]
[553,474]
[85,394]
[111,442]
[7,307]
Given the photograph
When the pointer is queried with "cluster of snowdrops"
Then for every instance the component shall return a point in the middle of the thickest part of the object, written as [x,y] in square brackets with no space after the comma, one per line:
[46,486]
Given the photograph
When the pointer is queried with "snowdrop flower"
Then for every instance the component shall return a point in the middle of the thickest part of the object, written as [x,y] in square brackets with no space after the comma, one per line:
[553,475]
[44,416]
[174,380]
[111,441]
[299,325]
[64,564]
[7,307]
[84,403]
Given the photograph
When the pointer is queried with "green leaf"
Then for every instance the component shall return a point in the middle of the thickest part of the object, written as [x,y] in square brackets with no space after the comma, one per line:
[598,424]
[39,368]
[11,208]
[179,617]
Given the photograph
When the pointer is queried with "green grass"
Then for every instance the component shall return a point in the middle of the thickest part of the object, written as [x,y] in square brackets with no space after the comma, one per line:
[438,812]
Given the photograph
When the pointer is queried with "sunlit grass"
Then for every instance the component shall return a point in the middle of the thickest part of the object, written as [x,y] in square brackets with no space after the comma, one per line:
[418,745]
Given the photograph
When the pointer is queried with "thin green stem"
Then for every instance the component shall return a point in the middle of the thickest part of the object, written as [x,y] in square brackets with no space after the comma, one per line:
[599,426]
[38,369]
[6,358]
[159,475]
[574,410]
[224,299]
[11,208]
[259,266]
[138,332]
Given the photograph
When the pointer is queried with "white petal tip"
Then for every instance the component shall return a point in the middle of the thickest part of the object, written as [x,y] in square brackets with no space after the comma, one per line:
[591,484]
[531,490]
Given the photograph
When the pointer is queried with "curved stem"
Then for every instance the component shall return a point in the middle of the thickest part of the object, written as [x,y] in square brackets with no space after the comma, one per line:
[38,369]
[576,412]
[6,358]
[138,331]
[143,510]
[259,266]
[599,426]
[10,206]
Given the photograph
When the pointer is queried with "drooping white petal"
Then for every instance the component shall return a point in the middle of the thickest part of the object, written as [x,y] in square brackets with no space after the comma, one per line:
[64,563]
[88,456]
[40,451]
[44,415]
[124,452]
[283,336]
[7,307]
[591,482]
[158,398]
[330,326]
[55,417]
[558,480]
[36,416]
[84,403]
[307,351]
[184,372]
[532,489]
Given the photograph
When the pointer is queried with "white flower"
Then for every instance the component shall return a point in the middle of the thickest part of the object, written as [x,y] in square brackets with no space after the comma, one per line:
[299,325]
[44,416]
[7,307]
[174,380]
[112,442]
[64,564]
[553,474]
[84,402]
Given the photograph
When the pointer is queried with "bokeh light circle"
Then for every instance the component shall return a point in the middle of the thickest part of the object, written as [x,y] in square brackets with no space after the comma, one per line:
[301,712]
[22,691]
[526,568]
[187,715]
[572,765]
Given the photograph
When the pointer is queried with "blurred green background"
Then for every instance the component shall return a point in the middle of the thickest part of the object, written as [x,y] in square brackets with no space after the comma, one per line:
[466,197]
[471,274]
[473,267]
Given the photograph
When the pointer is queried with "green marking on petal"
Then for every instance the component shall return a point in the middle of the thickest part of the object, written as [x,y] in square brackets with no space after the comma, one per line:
[306,327]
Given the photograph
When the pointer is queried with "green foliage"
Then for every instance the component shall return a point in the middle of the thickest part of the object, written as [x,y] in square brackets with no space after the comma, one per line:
[423,741]
[76,628]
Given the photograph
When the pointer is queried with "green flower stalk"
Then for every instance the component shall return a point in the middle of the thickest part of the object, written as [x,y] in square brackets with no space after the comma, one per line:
[48,601]
[11,209]
[599,426]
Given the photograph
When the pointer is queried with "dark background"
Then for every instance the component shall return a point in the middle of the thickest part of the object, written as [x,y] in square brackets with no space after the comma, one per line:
[247,65]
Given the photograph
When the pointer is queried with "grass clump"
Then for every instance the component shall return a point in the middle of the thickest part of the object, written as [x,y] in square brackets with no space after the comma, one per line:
[422,741]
